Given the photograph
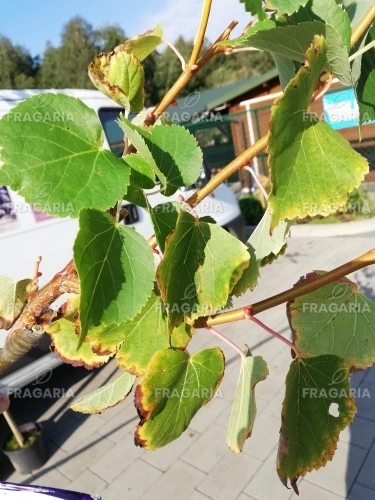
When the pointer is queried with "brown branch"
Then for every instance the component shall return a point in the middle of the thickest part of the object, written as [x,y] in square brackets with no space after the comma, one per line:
[26,332]
[364,260]
[363,26]
[191,71]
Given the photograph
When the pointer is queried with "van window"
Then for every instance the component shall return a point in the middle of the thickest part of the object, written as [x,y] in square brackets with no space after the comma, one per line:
[8,219]
[115,136]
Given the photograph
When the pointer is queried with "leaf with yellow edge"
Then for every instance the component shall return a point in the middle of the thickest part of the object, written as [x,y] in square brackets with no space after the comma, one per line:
[316,388]
[335,319]
[313,168]
[175,387]
[13,297]
[148,333]
[65,345]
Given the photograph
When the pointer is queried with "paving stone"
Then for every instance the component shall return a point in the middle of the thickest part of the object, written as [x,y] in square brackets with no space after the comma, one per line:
[53,478]
[196,495]
[273,408]
[179,482]
[133,482]
[339,474]
[229,476]
[264,438]
[118,428]
[360,492]
[117,459]
[223,419]
[80,433]
[266,485]
[361,433]
[163,458]
[207,449]
[243,496]
[88,482]
[81,458]
[211,412]
[365,400]
[309,491]
[366,476]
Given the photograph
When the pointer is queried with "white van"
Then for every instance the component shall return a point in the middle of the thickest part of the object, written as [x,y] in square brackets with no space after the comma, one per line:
[25,233]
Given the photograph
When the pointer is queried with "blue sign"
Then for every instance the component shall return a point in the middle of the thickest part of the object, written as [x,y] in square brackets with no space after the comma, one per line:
[341,109]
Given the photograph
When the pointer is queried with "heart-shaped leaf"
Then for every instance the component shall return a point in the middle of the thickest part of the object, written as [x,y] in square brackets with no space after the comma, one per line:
[115,266]
[309,428]
[52,155]
[336,319]
[175,387]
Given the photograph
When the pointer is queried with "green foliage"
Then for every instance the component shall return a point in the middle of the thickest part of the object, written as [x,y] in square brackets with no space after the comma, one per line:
[142,308]
[105,397]
[264,247]
[65,344]
[116,269]
[307,184]
[120,76]
[328,12]
[242,417]
[251,209]
[147,334]
[292,42]
[336,319]
[60,136]
[172,152]
[174,388]
[309,431]
[197,275]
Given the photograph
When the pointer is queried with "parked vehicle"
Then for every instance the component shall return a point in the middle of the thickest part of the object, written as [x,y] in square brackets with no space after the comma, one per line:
[26,233]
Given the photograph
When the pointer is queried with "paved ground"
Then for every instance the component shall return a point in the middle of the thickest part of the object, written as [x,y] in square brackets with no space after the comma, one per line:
[97,455]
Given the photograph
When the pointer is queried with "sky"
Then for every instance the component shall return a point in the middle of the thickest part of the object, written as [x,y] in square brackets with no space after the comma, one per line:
[31,23]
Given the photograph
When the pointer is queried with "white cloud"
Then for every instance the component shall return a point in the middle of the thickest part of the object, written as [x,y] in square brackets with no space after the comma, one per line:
[181,17]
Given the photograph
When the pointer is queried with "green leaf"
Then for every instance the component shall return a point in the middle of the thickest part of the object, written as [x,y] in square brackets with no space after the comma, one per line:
[293,41]
[201,265]
[286,69]
[285,6]
[255,7]
[105,397]
[146,334]
[164,219]
[313,168]
[263,248]
[365,85]
[142,46]
[336,319]
[142,177]
[120,76]
[242,417]
[171,150]
[52,156]
[174,388]
[65,344]
[309,432]
[115,266]
[13,298]
[328,12]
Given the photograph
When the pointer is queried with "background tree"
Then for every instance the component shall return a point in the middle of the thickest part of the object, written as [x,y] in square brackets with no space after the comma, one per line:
[18,68]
